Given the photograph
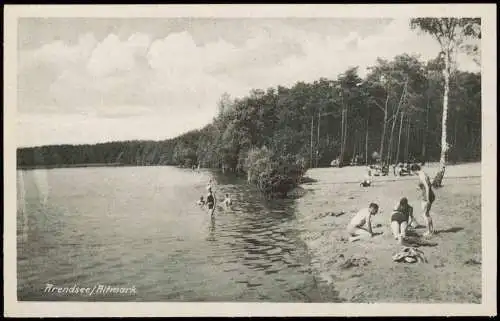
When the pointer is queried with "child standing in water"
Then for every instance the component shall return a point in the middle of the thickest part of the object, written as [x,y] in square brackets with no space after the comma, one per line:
[201,202]
[427,196]
[228,200]
[356,228]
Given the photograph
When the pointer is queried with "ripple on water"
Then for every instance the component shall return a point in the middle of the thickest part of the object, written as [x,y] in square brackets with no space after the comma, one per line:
[279,238]
[293,265]
[252,256]
[277,267]
[260,263]
[253,284]
[233,260]
[274,251]
[231,268]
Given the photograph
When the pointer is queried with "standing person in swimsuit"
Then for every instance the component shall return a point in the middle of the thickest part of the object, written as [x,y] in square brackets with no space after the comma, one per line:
[211,202]
[427,195]
[401,218]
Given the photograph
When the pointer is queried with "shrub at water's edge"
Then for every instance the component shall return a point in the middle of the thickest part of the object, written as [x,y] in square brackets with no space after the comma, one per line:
[274,175]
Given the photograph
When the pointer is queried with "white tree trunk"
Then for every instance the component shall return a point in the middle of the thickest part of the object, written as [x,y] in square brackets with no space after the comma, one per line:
[437,182]
[444,143]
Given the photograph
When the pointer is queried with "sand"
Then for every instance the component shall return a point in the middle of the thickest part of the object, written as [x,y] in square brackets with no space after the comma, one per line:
[363,271]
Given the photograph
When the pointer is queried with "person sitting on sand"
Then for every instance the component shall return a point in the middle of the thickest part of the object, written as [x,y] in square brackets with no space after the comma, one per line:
[401,218]
[427,196]
[398,169]
[228,201]
[201,201]
[366,183]
[362,218]
[368,178]
[211,202]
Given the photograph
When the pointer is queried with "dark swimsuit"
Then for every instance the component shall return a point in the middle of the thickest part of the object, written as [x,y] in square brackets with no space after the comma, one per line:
[210,202]
[400,216]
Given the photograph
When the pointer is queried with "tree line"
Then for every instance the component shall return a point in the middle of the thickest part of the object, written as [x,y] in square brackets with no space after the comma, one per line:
[393,114]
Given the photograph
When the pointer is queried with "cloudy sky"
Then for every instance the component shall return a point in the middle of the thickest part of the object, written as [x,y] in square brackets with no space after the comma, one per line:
[93,80]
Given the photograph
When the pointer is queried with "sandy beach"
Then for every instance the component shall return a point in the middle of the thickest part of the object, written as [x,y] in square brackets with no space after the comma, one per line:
[363,271]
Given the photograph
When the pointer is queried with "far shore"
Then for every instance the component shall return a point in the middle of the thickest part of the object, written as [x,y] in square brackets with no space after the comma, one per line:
[55,166]
[21,167]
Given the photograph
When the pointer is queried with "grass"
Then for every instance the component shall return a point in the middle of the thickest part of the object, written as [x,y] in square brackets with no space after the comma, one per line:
[453,271]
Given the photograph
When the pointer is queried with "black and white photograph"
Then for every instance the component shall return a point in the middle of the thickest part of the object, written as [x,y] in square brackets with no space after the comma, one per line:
[208,156]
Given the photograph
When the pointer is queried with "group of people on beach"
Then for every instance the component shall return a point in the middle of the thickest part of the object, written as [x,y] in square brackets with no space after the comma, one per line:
[399,169]
[211,201]
[402,214]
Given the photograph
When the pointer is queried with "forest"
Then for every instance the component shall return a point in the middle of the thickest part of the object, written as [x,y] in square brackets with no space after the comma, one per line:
[393,114]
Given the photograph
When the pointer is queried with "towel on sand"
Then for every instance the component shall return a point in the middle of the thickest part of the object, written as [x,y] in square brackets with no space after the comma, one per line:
[409,255]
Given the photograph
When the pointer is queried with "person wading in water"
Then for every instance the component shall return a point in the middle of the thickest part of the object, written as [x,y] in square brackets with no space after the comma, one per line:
[211,202]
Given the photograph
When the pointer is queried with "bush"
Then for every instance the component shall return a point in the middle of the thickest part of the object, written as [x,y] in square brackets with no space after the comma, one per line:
[275,176]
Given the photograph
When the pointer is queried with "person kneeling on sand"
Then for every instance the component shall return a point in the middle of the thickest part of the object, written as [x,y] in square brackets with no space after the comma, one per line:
[401,218]
[356,228]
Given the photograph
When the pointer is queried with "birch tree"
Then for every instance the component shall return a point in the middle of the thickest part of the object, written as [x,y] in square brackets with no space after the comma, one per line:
[452,34]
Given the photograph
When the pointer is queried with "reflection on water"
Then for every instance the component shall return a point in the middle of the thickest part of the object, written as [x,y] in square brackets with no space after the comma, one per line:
[141,227]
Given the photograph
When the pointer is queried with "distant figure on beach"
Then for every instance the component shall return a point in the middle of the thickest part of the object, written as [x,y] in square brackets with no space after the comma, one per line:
[356,228]
[201,201]
[398,168]
[401,218]
[228,201]
[427,196]
[211,201]
[366,183]
[368,178]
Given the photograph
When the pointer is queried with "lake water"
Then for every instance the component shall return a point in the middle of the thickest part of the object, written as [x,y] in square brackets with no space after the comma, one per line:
[140,227]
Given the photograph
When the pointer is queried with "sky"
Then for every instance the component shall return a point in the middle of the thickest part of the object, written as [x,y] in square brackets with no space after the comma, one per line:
[89,80]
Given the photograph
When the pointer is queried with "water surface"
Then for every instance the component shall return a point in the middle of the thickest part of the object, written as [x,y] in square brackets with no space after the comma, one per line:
[139,226]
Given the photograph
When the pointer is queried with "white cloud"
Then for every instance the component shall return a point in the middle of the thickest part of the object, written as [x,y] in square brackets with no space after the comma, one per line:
[173,76]
[113,55]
